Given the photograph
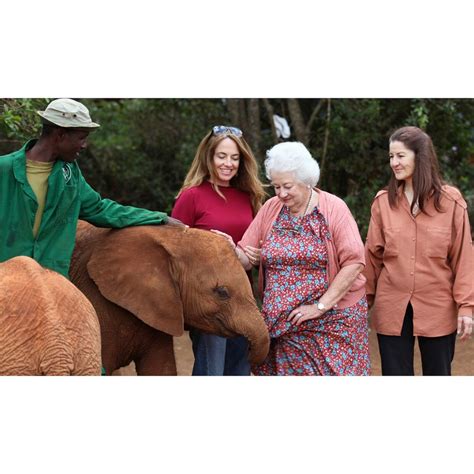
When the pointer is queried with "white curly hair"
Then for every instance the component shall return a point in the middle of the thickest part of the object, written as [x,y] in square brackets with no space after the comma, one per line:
[292,157]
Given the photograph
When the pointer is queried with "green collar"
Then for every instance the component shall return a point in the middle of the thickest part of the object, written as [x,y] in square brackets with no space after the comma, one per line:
[19,164]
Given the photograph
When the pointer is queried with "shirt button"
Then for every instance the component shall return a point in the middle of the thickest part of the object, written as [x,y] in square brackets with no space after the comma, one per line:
[413,239]
[411,273]
[412,257]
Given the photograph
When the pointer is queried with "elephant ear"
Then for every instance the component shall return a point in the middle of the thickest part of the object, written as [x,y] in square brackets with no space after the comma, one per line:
[133,269]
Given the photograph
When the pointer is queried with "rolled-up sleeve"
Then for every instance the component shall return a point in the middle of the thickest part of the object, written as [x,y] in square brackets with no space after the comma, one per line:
[461,262]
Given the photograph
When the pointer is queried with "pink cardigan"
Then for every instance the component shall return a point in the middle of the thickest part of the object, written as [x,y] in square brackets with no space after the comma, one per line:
[344,248]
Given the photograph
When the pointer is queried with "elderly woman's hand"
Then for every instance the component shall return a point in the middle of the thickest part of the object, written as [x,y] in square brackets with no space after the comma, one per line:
[464,327]
[253,254]
[304,313]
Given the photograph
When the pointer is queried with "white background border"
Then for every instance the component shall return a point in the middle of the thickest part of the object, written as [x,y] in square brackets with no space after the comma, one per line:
[236,49]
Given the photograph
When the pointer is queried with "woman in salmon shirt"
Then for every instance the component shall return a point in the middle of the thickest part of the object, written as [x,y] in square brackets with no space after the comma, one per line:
[220,192]
[310,263]
[418,261]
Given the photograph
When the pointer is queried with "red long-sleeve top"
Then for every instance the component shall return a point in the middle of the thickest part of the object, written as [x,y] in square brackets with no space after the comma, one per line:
[201,207]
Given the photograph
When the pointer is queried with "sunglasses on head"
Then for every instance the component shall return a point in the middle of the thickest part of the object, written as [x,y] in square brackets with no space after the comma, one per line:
[223,129]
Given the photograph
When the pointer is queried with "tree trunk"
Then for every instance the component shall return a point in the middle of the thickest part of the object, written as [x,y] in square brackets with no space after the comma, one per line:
[244,123]
[326,136]
[270,113]
[297,121]
[234,111]
[254,134]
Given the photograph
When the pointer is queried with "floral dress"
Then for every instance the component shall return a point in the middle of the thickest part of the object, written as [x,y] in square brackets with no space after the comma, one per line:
[295,258]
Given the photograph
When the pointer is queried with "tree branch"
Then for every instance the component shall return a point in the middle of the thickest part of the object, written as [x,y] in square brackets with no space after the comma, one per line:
[314,114]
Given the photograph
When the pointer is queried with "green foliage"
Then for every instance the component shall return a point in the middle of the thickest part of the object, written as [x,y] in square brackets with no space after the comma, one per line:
[357,159]
[18,119]
[142,151]
[419,115]
[144,148]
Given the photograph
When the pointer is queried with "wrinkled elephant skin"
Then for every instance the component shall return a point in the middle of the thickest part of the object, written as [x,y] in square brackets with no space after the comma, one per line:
[47,326]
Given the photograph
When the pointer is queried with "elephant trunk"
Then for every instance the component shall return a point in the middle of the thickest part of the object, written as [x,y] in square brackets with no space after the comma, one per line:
[253,328]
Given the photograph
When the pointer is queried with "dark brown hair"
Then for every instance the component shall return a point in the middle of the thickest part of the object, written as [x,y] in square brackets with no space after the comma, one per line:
[427,181]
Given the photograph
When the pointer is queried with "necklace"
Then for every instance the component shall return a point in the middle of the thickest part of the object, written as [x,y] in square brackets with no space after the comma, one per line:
[296,214]
[307,204]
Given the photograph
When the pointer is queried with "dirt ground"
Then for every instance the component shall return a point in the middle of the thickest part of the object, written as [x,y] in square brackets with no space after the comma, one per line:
[463,363]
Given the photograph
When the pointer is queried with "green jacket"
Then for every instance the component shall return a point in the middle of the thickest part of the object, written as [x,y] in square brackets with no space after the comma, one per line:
[68,199]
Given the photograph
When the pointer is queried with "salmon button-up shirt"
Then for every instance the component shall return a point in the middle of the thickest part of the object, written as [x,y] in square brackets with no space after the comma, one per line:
[424,259]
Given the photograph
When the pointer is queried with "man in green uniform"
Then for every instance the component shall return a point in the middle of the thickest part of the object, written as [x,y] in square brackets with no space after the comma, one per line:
[43,192]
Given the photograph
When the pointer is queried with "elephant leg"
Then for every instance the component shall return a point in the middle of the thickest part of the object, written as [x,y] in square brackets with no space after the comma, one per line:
[158,359]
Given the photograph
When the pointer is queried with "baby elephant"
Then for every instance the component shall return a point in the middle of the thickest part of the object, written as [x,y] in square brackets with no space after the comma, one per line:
[147,282]
[47,326]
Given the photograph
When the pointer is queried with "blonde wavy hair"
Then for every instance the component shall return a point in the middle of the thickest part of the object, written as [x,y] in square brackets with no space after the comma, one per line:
[202,168]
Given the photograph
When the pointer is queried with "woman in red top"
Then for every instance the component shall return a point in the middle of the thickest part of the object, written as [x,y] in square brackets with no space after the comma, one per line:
[221,191]
[419,268]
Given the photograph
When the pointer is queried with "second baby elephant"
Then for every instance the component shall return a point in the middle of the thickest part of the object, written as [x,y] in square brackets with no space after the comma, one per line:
[146,282]
[47,326]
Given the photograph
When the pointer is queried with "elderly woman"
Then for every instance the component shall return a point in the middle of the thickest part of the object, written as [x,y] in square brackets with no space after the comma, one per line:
[310,265]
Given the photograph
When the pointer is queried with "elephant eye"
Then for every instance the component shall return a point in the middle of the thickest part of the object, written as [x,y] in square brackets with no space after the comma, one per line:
[222,292]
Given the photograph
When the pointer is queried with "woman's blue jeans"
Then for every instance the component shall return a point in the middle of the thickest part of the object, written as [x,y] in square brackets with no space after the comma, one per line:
[215,355]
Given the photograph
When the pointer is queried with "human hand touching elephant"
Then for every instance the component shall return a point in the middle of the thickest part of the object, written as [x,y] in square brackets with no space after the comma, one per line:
[252,253]
[175,222]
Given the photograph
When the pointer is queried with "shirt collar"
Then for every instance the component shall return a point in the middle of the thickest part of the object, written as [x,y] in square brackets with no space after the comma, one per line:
[19,164]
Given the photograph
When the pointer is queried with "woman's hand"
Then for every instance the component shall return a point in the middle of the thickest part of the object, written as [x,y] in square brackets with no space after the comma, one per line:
[464,327]
[304,313]
[227,236]
[243,259]
[253,254]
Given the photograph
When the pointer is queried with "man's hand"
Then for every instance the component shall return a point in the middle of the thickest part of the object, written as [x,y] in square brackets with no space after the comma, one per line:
[176,222]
